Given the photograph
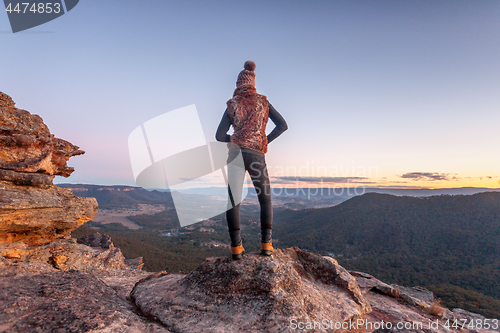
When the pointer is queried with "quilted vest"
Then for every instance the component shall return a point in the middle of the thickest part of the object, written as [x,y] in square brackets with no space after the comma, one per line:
[249,113]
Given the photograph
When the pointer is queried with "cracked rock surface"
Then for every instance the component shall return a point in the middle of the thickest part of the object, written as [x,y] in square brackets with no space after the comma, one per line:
[255,294]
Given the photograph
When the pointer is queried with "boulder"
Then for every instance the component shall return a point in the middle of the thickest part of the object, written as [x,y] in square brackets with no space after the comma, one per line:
[255,294]
[411,295]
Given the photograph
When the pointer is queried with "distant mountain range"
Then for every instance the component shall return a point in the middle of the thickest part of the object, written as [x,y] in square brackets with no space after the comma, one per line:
[118,195]
[345,193]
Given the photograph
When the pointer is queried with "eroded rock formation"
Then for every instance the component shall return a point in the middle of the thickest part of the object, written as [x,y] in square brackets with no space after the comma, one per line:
[32,209]
[48,281]
[27,146]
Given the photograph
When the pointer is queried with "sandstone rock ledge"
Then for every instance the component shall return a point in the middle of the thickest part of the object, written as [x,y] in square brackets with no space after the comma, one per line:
[256,294]
[32,209]
[67,287]
[49,282]
[37,216]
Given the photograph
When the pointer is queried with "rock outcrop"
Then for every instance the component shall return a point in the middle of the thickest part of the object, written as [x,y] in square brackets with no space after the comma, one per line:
[48,281]
[32,209]
[69,287]
[69,301]
[257,294]
[410,309]
[27,146]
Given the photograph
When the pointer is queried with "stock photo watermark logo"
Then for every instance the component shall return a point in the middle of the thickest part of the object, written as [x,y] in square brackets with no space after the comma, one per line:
[169,152]
[25,15]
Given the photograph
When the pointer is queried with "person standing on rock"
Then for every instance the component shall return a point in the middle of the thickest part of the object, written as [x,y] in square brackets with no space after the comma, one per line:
[248,112]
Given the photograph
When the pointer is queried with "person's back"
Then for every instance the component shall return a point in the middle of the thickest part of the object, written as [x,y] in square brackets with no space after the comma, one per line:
[248,112]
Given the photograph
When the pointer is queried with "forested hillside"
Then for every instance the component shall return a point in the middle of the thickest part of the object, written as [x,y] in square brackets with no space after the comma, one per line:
[440,240]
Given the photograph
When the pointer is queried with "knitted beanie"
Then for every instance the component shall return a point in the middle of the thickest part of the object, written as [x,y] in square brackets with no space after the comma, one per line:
[247,76]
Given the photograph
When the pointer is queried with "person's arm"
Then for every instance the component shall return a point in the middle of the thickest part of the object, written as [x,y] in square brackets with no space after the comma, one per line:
[225,123]
[279,121]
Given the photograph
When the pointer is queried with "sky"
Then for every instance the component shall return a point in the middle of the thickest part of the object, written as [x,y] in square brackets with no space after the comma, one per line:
[375,93]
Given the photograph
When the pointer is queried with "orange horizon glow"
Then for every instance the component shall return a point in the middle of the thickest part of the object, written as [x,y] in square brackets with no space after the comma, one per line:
[375,183]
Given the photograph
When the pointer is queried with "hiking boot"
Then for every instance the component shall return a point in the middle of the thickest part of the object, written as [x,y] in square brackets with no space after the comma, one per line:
[237,252]
[266,249]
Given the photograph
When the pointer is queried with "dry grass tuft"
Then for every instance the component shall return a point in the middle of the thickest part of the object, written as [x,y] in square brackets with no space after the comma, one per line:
[436,309]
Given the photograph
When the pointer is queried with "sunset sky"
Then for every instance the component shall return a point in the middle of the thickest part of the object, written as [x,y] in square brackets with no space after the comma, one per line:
[379,93]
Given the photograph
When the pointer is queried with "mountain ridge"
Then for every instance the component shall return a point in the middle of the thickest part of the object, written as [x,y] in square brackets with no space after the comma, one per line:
[426,236]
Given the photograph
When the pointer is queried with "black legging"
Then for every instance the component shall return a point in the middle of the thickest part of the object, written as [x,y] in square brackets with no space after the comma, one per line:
[256,166]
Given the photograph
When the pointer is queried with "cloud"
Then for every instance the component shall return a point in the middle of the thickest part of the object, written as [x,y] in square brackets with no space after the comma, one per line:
[428,176]
[290,180]
[279,180]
